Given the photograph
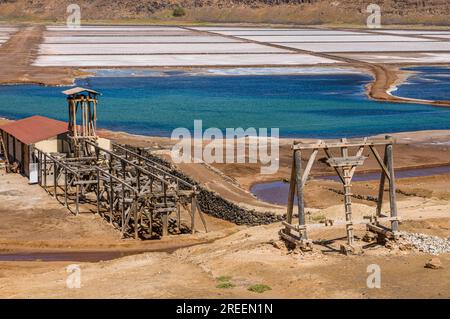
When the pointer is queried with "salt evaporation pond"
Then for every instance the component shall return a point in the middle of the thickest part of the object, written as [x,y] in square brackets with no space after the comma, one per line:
[277,192]
[429,83]
[300,105]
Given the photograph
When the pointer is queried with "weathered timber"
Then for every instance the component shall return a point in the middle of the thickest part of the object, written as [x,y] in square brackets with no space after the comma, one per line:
[345,167]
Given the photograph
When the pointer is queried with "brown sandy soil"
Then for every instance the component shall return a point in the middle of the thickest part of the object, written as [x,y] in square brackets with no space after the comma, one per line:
[413,150]
[31,220]
[17,55]
[407,154]
[3,121]
[246,258]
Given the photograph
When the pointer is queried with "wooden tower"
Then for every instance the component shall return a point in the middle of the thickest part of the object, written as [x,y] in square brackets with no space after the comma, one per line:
[85,101]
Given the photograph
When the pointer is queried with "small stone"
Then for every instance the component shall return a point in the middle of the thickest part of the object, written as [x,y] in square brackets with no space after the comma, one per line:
[405,246]
[389,244]
[351,250]
[433,263]
[369,237]
[277,244]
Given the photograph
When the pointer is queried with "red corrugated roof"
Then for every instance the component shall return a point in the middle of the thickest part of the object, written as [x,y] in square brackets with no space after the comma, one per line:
[35,129]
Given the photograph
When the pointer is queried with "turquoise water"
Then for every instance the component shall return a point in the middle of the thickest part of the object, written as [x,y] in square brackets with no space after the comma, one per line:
[430,83]
[325,106]
[277,192]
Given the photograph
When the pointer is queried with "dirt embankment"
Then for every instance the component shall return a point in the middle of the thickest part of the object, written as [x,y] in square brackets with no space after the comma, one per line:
[388,76]
[18,54]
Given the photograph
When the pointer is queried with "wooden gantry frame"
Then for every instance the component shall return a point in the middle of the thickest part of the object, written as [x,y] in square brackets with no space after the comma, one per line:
[344,165]
[134,194]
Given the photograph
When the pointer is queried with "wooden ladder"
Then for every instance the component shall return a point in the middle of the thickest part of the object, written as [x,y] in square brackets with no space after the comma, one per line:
[5,154]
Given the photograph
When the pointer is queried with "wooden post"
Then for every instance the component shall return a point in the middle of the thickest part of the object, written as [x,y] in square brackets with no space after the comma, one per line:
[138,173]
[136,224]
[45,171]
[123,211]
[98,192]
[299,187]
[77,197]
[392,189]
[202,218]
[348,206]
[193,210]
[165,223]
[39,168]
[55,178]
[111,199]
[291,195]
[381,187]
[347,196]
[65,186]
[178,215]
[150,224]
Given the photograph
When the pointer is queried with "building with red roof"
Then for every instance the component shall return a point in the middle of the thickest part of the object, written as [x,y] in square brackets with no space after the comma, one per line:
[22,136]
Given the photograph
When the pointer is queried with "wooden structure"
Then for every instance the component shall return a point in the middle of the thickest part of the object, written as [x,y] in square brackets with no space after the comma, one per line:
[4,154]
[344,165]
[85,101]
[136,195]
[19,138]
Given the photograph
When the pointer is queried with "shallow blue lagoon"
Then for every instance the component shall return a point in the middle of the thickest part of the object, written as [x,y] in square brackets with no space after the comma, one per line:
[326,106]
[429,83]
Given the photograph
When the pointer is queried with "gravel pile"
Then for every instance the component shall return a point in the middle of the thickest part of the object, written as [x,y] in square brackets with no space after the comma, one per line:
[426,243]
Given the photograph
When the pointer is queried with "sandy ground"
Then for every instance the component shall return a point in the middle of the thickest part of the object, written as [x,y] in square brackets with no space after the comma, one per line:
[246,258]
[18,54]
[244,255]
[28,209]
[190,265]
[413,150]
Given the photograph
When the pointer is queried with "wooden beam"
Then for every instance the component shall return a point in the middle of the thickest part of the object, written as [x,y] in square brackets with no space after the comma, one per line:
[299,186]
[380,162]
[339,144]
[308,167]
[392,188]
[292,185]
[193,211]
[330,155]
[381,188]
